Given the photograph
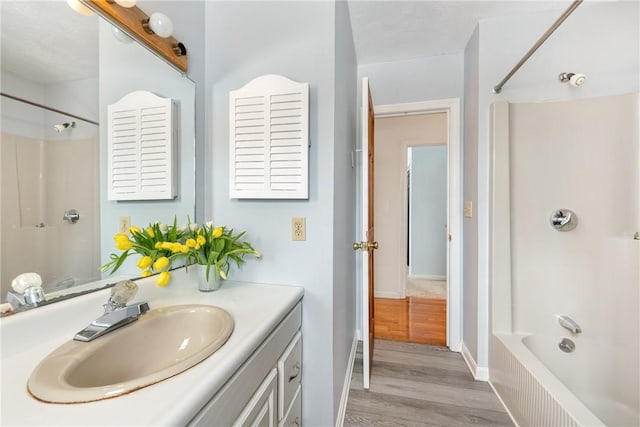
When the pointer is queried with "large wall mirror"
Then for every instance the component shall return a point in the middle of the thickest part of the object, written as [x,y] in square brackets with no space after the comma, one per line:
[53,154]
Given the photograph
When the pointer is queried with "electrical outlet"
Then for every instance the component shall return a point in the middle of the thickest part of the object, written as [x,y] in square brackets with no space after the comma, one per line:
[298,229]
[125,224]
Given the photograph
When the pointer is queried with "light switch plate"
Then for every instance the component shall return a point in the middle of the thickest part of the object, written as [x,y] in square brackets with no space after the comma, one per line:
[468,209]
[124,224]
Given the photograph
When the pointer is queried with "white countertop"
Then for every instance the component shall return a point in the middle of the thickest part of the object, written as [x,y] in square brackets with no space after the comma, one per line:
[30,336]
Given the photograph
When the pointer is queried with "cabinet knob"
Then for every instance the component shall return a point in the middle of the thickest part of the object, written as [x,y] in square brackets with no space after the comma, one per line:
[295,372]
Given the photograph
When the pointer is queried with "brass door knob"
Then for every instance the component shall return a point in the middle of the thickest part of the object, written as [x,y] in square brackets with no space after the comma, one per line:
[365,246]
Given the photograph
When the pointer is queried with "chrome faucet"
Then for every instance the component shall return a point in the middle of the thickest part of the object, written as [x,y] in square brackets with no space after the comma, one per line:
[568,323]
[116,312]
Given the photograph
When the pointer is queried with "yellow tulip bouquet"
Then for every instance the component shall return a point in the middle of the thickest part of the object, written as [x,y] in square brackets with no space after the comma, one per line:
[160,245]
[215,247]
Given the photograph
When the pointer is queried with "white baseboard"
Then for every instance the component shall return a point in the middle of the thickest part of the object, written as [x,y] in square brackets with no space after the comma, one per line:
[504,405]
[427,277]
[342,410]
[385,294]
[479,373]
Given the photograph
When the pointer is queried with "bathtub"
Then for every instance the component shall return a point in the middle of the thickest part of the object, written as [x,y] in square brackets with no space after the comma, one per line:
[543,386]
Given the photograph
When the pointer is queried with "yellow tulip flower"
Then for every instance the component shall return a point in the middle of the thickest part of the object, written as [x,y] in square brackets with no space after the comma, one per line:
[163,278]
[217,232]
[124,245]
[161,263]
[134,230]
[201,240]
[146,273]
[120,236]
[191,243]
[145,262]
[166,245]
[150,232]
[158,245]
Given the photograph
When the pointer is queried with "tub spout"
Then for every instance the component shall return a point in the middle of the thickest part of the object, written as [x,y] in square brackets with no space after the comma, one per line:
[568,323]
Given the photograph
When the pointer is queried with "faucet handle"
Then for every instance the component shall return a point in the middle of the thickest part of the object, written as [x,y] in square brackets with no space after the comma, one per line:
[122,292]
[568,323]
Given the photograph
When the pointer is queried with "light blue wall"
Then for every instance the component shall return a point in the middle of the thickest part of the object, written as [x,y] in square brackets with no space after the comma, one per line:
[125,68]
[428,212]
[344,231]
[245,40]
[470,194]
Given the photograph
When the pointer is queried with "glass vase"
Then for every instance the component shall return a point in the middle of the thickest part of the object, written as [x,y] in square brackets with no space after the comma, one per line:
[204,284]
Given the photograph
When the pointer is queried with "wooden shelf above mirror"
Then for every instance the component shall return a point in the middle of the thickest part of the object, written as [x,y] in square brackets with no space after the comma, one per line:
[131,21]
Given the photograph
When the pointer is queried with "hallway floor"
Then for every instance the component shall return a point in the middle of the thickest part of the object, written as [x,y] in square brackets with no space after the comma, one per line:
[420,385]
[419,320]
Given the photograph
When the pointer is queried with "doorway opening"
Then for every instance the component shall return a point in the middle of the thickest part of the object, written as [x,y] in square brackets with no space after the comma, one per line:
[411,226]
[367,278]
[450,108]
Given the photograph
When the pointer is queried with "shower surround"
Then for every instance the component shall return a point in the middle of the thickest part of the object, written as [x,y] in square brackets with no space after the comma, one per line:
[41,179]
[581,155]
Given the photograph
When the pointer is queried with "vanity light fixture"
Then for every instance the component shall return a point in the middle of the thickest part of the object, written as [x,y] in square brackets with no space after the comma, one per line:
[121,35]
[79,8]
[158,23]
[152,32]
[127,3]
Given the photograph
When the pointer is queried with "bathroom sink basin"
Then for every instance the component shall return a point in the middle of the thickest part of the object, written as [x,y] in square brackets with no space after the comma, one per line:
[162,343]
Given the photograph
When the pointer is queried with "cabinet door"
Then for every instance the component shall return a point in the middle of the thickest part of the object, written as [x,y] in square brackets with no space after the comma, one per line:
[293,418]
[261,409]
[290,372]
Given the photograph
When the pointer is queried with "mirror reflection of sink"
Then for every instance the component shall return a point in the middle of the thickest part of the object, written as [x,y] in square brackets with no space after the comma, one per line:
[162,343]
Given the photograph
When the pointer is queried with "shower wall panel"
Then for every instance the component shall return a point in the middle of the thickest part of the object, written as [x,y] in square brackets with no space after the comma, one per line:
[40,181]
[581,155]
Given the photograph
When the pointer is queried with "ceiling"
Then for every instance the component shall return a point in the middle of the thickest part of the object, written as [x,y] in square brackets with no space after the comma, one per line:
[47,42]
[388,31]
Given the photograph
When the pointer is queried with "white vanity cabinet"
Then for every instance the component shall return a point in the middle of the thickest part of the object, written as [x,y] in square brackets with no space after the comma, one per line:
[266,389]
[253,379]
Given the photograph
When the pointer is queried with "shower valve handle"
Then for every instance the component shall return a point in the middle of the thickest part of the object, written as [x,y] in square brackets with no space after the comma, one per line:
[563,220]
[72,216]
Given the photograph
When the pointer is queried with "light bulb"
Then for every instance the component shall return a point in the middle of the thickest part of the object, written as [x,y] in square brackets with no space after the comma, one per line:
[127,3]
[79,7]
[161,24]
[121,35]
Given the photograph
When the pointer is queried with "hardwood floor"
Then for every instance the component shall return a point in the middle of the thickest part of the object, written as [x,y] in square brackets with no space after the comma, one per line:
[420,385]
[413,319]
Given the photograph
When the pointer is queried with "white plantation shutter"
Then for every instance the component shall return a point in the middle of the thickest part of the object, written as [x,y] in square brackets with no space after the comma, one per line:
[141,148]
[269,139]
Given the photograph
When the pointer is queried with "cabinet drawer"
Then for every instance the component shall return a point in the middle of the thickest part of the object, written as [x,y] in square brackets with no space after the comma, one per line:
[294,416]
[289,374]
[260,411]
